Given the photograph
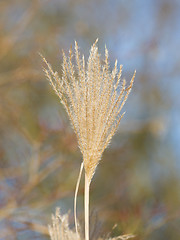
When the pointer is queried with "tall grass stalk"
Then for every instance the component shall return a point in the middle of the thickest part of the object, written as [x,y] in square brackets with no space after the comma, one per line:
[93,97]
[75,199]
[86,206]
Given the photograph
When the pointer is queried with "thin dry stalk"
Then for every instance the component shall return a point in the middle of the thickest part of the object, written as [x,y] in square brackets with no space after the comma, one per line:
[86,207]
[93,97]
[75,199]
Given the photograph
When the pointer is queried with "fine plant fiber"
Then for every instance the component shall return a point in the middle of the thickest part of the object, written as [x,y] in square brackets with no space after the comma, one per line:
[60,229]
[93,97]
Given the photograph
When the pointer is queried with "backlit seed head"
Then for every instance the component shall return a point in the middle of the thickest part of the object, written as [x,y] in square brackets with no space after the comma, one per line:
[93,97]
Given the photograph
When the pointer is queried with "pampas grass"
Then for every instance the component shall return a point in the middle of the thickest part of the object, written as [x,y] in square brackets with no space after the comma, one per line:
[60,230]
[93,97]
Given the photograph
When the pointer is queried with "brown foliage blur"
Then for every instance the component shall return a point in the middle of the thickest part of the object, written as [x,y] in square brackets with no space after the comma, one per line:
[137,185]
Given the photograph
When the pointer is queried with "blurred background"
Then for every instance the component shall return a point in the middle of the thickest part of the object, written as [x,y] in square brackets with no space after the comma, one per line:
[137,183]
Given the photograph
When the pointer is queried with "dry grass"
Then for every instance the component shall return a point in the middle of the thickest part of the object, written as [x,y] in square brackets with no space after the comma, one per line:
[93,97]
[60,230]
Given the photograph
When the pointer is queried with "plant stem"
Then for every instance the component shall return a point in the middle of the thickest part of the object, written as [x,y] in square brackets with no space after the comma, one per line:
[75,200]
[86,207]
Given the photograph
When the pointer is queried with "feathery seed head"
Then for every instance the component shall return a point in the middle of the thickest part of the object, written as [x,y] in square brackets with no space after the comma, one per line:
[93,97]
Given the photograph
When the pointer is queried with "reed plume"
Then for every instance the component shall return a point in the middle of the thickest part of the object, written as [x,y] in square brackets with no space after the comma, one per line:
[59,229]
[93,97]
